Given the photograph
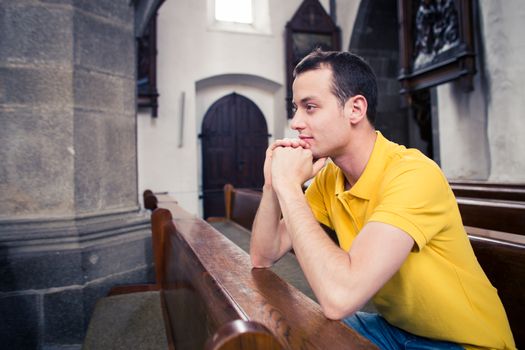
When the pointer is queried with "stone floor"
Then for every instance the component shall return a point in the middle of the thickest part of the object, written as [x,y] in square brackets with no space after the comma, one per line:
[127,321]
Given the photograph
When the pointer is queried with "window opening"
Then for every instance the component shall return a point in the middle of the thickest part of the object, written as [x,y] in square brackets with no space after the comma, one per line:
[237,11]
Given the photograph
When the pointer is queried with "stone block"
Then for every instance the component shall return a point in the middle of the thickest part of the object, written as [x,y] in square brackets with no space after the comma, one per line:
[37,159]
[388,103]
[119,10]
[380,65]
[121,254]
[105,161]
[104,46]
[40,271]
[121,153]
[393,125]
[103,92]
[59,2]
[63,321]
[19,322]
[32,33]
[35,86]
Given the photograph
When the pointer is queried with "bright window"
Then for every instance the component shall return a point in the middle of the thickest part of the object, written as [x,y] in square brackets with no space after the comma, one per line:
[237,11]
[239,16]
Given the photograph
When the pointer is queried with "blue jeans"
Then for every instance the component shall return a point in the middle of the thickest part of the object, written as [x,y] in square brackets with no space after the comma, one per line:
[387,337]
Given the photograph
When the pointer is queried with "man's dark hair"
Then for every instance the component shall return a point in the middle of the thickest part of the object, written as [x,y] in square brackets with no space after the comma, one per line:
[351,76]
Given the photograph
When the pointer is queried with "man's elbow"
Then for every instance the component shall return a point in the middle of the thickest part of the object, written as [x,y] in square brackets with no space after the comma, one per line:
[333,313]
[259,262]
[337,309]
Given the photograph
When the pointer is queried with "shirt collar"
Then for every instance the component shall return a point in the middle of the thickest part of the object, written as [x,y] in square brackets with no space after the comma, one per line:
[366,183]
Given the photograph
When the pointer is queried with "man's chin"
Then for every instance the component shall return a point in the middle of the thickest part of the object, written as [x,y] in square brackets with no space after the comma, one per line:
[317,155]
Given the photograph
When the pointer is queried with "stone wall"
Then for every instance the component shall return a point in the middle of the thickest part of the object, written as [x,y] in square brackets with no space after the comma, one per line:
[70,224]
[374,37]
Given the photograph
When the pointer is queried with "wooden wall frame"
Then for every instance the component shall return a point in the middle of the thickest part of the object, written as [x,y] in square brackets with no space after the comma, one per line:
[147,94]
[310,28]
[436,43]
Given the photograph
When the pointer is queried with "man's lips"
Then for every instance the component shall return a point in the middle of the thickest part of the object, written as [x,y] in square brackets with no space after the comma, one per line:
[306,139]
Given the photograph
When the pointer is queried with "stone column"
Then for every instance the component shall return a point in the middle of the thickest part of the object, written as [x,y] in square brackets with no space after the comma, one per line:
[70,224]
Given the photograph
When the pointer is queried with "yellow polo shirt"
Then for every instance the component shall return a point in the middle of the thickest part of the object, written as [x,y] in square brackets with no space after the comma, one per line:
[440,291]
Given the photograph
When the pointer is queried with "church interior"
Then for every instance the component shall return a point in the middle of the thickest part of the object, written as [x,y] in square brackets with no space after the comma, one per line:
[103,102]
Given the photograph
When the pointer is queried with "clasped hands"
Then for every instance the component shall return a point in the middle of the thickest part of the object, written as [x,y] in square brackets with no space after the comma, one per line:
[290,163]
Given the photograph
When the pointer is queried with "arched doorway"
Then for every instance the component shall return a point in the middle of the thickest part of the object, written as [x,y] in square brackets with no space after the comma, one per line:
[234,141]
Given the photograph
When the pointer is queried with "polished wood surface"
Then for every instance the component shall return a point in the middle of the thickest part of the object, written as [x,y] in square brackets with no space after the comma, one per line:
[209,282]
[505,216]
[488,190]
[492,206]
[240,334]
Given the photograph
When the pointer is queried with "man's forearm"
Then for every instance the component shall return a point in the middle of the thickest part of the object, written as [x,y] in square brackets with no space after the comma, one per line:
[265,245]
[325,265]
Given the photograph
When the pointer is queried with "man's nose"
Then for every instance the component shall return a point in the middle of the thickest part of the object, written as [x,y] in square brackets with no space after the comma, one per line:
[297,121]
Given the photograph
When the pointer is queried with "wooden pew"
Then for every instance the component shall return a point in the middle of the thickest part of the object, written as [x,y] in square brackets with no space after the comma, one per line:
[488,190]
[502,257]
[499,207]
[504,216]
[494,218]
[240,334]
[241,205]
[206,282]
[149,199]
[500,254]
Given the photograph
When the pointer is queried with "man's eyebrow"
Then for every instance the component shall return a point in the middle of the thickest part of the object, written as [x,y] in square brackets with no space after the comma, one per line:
[304,100]
[307,99]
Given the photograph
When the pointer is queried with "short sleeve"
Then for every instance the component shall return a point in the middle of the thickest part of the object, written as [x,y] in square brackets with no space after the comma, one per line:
[415,197]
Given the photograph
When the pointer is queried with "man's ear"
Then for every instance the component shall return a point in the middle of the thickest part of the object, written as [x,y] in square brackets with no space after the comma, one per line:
[356,108]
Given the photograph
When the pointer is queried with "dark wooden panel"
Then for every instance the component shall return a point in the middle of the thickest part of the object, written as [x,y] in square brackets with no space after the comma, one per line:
[502,257]
[506,216]
[488,190]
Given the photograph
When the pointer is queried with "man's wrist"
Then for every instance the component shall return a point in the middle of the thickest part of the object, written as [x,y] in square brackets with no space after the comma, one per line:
[267,188]
[285,191]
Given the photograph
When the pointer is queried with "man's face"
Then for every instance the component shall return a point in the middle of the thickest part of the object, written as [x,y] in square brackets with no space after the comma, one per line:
[319,117]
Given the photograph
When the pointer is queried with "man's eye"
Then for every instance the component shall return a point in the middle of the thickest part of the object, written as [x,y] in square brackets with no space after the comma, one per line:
[294,109]
[310,108]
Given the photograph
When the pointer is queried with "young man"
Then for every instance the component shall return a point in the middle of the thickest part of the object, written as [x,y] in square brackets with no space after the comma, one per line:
[401,238]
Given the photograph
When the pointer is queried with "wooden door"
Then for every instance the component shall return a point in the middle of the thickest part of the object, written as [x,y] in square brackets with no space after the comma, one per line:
[234,141]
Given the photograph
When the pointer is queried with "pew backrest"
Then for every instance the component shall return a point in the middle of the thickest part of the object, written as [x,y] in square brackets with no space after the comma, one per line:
[502,257]
[149,199]
[487,190]
[491,206]
[241,205]
[504,216]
